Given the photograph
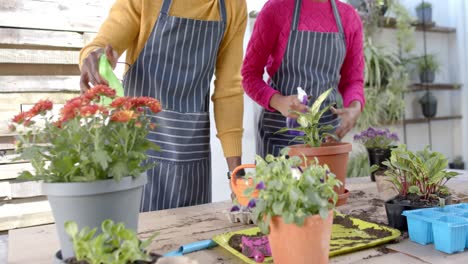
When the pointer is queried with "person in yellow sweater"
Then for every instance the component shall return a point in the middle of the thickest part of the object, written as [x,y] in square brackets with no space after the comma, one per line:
[173,49]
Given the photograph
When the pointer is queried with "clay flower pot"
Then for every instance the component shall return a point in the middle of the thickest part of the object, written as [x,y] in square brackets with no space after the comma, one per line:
[239,185]
[334,155]
[307,244]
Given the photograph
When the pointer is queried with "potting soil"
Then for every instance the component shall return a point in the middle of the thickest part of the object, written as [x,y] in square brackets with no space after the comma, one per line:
[348,235]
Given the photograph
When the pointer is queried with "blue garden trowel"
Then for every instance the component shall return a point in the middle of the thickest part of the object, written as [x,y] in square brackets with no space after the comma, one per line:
[192,247]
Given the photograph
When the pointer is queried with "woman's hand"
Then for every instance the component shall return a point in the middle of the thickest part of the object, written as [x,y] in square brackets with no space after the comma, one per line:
[287,105]
[348,116]
[90,67]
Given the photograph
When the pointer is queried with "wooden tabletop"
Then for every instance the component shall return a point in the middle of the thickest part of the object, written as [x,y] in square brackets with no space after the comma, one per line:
[186,225]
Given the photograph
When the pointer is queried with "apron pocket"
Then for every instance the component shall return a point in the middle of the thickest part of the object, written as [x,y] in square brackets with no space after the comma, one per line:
[183,137]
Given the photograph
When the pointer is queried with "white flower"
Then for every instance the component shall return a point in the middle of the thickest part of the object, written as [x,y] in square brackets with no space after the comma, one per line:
[296,173]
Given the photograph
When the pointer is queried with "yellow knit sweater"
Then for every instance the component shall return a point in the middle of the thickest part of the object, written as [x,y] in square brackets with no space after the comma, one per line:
[130,23]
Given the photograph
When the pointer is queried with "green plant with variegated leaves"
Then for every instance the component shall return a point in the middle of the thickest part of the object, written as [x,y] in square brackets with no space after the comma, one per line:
[116,244]
[287,191]
[422,173]
[313,132]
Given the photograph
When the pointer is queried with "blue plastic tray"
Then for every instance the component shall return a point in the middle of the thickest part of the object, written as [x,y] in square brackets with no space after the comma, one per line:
[446,227]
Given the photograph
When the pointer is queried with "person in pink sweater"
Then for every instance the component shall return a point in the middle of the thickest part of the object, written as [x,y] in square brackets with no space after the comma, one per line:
[312,44]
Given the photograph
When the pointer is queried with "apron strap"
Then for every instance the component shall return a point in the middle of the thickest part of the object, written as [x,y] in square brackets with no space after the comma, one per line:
[297,14]
[222,11]
[337,17]
[166,6]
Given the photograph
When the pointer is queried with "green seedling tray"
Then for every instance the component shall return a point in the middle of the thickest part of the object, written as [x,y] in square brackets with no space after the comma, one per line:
[339,242]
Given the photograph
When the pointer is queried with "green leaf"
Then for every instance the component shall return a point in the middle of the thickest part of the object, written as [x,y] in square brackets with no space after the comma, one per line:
[316,106]
[323,212]
[119,170]
[102,158]
[71,228]
[26,175]
[278,208]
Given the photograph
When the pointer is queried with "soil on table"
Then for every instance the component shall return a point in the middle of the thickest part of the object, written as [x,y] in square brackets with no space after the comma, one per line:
[415,200]
[236,240]
[154,258]
[348,223]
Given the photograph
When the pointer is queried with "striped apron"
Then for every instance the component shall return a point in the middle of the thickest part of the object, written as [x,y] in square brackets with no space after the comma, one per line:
[313,61]
[176,66]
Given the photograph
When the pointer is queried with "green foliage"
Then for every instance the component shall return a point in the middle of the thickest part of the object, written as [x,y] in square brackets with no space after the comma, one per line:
[358,165]
[405,30]
[115,245]
[428,63]
[314,132]
[424,5]
[422,172]
[458,160]
[87,147]
[291,194]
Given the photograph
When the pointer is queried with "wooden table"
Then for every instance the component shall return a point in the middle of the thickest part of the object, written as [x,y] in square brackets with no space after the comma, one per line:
[185,225]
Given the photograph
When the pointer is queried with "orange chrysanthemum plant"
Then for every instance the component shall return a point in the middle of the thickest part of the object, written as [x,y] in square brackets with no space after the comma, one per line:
[87,141]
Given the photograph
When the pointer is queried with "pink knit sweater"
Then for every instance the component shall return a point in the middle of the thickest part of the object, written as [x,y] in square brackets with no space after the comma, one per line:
[270,37]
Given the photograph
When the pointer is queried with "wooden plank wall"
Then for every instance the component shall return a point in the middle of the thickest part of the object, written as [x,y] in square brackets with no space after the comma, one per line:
[40,42]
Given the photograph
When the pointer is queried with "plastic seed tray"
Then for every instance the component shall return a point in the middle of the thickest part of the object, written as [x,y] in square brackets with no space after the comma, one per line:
[446,227]
[353,237]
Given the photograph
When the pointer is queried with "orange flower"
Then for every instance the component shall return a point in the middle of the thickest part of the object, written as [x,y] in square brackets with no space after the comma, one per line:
[19,118]
[98,90]
[123,116]
[152,126]
[41,107]
[119,102]
[138,124]
[151,103]
[89,110]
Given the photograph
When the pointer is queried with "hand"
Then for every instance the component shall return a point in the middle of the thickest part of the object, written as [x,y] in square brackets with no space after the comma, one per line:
[233,162]
[90,67]
[287,105]
[348,116]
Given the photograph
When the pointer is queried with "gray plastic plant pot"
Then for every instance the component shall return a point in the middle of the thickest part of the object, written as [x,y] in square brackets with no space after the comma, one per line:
[90,203]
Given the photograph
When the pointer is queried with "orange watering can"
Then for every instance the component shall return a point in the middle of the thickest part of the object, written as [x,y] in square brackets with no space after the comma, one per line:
[239,185]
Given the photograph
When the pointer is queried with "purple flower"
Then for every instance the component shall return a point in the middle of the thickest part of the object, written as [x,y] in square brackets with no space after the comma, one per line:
[394,136]
[357,137]
[252,204]
[371,133]
[260,186]
[235,208]
[259,258]
[381,133]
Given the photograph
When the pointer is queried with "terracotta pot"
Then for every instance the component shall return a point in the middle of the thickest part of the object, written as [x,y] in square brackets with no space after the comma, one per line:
[307,244]
[239,185]
[342,198]
[335,155]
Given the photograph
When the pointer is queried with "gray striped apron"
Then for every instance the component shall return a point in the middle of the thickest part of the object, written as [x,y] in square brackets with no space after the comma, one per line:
[313,61]
[176,66]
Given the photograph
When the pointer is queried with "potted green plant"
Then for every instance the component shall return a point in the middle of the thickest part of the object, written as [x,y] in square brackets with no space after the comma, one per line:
[335,155]
[419,178]
[428,66]
[295,208]
[424,12]
[428,104]
[457,163]
[116,244]
[379,144]
[93,166]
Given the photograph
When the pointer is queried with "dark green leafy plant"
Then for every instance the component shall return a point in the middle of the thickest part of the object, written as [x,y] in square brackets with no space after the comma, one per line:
[422,173]
[428,63]
[116,244]
[423,5]
[286,191]
[309,123]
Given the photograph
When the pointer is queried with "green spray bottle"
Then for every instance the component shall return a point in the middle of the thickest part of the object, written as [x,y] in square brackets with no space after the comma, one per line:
[106,71]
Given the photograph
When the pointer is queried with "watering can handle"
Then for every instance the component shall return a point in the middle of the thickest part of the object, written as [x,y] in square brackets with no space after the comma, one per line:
[237,169]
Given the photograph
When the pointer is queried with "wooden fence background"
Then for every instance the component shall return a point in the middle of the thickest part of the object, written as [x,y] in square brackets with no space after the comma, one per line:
[39,46]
